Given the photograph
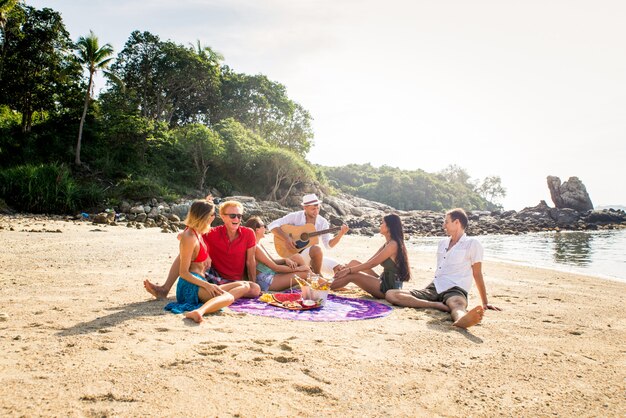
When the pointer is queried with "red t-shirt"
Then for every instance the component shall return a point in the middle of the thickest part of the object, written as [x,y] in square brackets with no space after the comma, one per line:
[229,258]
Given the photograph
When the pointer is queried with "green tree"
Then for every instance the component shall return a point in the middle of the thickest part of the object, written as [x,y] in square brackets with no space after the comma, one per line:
[263,106]
[94,57]
[284,170]
[167,82]
[491,188]
[5,8]
[203,146]
[37,67]
[454,174]
[240,163]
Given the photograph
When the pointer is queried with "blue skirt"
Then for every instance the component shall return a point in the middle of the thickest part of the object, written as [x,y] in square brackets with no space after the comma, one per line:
[186,296]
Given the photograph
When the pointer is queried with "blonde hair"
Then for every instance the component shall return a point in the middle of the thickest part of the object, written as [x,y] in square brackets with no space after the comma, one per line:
[228,204]
[199,215]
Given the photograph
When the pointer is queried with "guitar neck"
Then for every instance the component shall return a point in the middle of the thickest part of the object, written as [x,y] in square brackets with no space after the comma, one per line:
[324,231]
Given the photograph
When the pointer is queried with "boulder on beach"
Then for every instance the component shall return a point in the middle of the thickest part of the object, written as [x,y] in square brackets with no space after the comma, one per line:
[572,194]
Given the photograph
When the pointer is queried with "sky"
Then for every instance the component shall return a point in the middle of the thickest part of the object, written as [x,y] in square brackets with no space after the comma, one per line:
[517,89]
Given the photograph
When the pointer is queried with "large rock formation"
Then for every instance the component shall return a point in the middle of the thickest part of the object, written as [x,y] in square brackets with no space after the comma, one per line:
[572,194]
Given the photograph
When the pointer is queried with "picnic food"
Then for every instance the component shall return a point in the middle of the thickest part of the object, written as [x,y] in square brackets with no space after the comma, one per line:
[266,297]
[292,301]
[286,297]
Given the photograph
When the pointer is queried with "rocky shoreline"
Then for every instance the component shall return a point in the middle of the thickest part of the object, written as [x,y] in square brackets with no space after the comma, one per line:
[363,217]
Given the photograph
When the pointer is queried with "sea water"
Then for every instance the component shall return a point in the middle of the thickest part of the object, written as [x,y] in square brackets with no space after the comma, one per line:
[594,253]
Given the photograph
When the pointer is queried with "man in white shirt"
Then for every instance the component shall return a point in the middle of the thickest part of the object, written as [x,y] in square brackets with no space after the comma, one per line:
[459,260]
[313,255]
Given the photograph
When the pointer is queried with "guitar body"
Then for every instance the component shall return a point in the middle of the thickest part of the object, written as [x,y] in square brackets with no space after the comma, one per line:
[302,236]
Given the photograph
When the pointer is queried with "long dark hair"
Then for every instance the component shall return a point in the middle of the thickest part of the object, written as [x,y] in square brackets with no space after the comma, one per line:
[394,225]
[254,222]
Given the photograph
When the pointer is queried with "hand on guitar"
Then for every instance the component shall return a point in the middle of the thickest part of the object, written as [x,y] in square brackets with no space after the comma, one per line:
[291,245]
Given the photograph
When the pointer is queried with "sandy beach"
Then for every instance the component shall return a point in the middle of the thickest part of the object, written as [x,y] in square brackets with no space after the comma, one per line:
[81,337]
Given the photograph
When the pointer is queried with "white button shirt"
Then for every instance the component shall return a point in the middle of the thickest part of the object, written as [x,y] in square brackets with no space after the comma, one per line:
[299,219]
[454,267]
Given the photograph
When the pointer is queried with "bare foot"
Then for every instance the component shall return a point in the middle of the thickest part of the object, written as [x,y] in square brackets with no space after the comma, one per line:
[471,318]
[195,315]
[156,291]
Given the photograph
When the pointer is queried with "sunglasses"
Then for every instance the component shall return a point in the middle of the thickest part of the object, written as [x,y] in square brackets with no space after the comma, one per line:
[234,215]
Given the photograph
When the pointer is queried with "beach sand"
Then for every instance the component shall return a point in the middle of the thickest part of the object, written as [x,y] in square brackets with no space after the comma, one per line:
[80,336]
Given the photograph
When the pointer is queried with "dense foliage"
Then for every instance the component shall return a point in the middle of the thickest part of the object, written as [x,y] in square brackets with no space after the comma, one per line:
[413,190]
[47,188]
[172,120]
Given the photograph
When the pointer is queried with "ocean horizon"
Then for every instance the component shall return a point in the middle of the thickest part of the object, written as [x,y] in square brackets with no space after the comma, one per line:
[593,253]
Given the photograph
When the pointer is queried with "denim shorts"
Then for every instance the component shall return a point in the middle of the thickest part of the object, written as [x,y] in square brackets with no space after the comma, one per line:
[264,280]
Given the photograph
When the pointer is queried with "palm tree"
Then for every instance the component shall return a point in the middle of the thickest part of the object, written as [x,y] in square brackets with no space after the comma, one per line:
[94,58]
[5,8]
[206,53]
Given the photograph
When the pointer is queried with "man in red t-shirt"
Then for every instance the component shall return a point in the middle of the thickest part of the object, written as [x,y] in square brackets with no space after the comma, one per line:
[231,249]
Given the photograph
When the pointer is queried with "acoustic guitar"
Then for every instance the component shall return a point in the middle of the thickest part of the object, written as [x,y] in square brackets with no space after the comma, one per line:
[304,236]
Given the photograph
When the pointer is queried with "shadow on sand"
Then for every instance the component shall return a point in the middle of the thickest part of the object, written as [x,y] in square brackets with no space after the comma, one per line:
[445,325]
[121,313]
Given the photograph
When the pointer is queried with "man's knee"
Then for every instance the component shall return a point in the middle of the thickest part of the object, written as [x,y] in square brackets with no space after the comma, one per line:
[316,252]
[456,302]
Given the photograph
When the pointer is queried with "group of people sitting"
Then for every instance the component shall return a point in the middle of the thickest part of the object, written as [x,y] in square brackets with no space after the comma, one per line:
[218,265]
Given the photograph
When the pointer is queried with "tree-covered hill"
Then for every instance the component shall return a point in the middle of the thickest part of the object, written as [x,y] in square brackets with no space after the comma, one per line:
[415,189]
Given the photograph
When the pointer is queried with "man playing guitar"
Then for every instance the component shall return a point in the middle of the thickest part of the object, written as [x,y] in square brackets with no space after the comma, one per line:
[312,254]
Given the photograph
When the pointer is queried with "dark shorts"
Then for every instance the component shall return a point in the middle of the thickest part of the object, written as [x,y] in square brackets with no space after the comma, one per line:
[384,286]
[212,276]
[430,293]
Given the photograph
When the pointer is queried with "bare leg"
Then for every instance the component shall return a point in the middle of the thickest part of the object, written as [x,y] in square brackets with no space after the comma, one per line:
[160,292]
[233,291]
[371,284]
[353,263]
[405,298]
[254,290]
[298,259]
[284,281]
[460,317]
[210,305]
[251,289]
[237,289]
[317,255]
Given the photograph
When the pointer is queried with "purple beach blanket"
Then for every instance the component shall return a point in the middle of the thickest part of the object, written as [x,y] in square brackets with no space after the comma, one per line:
[337,308]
